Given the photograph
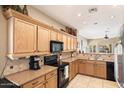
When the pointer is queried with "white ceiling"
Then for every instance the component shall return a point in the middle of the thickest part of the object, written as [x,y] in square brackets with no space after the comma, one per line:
[68,15]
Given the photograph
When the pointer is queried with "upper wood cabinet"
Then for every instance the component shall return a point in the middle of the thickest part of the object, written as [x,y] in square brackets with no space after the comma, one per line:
[21,37]
[65,41]
[24,37]
[72,43]
[43,40]
[60,37]
[28,36]
[75,43]
[53,35]
[69,42]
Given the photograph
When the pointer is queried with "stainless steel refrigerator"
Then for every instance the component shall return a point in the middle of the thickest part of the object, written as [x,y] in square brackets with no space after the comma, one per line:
[119,59]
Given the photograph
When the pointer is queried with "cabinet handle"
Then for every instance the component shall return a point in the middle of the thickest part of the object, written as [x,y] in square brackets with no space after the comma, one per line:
[35,83]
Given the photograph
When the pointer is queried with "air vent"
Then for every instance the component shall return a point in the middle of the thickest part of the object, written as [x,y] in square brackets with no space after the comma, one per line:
[93,10]
[95,23]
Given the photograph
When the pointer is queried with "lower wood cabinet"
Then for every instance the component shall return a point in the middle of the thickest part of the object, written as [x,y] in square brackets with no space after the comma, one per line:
[81,67]
[52,82]
[73,69]
[42,85]
[93,68]
[100,69]
[46,81]
[89,68]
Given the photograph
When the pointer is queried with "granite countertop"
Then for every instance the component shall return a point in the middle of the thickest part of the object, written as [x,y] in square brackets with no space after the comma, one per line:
[81,56]
[23,77]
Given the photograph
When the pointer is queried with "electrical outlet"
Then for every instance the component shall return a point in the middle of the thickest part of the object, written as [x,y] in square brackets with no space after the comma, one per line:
[11,67]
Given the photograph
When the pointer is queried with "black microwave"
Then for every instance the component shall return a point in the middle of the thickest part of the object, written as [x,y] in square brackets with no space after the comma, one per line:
[56,46]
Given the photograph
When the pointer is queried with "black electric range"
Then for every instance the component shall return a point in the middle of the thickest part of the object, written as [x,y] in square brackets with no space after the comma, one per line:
[63,70]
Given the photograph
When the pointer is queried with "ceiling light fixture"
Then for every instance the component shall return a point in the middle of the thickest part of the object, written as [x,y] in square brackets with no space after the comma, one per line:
[79,14]
[112,17]
[93,10]
[106,35]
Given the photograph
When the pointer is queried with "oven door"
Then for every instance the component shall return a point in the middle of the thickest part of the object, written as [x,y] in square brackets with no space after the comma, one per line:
[63,76]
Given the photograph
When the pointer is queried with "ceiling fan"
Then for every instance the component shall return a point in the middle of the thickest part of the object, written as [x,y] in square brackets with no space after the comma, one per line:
[106,35]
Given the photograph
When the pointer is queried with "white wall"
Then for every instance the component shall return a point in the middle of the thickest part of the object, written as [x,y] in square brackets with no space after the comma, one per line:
[37,14]
[106,42]
[85,42]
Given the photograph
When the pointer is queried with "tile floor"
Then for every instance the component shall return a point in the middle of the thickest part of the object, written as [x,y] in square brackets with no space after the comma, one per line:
[82,81]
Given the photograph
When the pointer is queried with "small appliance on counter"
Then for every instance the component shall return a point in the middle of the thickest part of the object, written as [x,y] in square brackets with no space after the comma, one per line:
[34,62]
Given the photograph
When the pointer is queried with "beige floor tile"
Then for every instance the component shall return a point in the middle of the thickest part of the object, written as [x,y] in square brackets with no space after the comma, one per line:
[95,83]
[82,81]
[109,84]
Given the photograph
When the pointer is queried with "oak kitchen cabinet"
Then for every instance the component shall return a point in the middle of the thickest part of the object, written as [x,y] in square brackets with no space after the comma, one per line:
[89,68]
[28,36]
[100,69]
[75,43]
[53,35]
[81,67]
[65,42]
[21,36]
[68,42]
[60,37]
[52,82]
[72,43]
[93,68]
[46,81]
[73,69]
[43,40]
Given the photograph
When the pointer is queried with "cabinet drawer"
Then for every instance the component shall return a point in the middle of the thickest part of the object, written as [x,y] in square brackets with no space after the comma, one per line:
[34,83]
[51,74]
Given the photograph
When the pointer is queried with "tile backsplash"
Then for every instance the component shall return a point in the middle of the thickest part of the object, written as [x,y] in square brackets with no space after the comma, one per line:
[23,64]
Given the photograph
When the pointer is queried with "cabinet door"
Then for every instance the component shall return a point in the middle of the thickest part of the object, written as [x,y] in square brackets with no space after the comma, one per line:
[100,69]
[53,35]
[90,68]
[43,39]
[82,67]
[69,43]
[72,43]
[52,82]
[24,37]
[76,66]
[65,41]
[60,38]
[71,69]
[75,43]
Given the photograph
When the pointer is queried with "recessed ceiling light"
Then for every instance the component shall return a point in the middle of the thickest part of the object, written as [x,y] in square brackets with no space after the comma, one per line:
[79,14]
[112,17]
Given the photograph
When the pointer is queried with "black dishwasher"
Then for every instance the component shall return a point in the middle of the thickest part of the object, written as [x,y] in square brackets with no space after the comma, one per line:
[110,71]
